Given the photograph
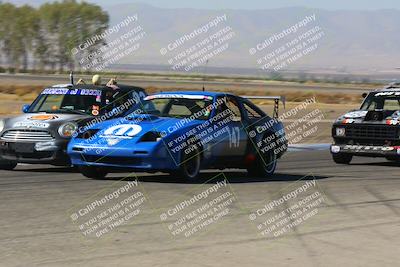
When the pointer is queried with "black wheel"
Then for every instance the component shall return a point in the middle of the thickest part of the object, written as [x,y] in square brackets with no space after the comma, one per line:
[264,165]
[92,172]
[8,165]
[340,158]
[190,167]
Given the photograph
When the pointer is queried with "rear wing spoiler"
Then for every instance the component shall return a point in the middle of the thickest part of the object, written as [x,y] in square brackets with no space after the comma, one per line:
[276,102]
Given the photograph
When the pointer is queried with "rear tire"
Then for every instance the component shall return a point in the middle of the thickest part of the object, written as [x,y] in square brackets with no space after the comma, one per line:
[341,158]
[93,172]
[264,166]
[189,168]
[8,165]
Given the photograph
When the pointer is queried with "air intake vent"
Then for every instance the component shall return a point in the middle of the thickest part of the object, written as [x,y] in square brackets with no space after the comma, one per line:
[27,136]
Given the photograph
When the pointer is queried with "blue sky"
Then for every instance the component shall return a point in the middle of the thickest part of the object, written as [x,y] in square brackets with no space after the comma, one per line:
[251,4]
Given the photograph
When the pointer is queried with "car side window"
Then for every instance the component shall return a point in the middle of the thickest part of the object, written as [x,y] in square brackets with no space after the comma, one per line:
[233,106]
[250,112]
[371,106]
[391,104]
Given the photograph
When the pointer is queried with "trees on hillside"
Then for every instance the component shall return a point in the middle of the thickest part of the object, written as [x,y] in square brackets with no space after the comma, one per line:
[43,38]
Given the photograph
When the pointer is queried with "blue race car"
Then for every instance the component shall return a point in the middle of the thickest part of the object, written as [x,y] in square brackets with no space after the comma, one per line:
[181,133]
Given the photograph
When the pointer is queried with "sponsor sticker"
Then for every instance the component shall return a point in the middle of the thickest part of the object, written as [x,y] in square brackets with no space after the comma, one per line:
[31,124]
[388,93]
[369,148]
[123,131]
[43,117]
[66,91]
[356,114]
[95,110]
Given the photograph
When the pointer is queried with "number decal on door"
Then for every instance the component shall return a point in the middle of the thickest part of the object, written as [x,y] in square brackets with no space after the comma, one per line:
[234,137]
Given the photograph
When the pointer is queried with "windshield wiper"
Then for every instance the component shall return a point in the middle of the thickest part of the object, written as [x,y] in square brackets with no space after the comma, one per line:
[73,111]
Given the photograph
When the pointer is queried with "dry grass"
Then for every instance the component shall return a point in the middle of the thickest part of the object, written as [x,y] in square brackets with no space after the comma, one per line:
[21,90]
[13,96]
[28,93]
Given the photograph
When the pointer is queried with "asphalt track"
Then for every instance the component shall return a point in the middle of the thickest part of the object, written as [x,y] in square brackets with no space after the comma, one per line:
[358,224]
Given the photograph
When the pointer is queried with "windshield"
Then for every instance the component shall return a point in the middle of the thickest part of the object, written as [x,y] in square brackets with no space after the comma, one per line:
[63,100]
[382,100]
[194,107]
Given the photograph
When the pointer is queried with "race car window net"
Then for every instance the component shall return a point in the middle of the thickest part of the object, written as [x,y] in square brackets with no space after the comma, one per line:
[233,106]
[251,113]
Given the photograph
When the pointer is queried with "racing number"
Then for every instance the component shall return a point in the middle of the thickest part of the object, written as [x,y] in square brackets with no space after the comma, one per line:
[234,137]
[234,141]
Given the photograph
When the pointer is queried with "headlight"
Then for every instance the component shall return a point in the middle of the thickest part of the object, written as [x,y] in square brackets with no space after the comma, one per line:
[2,125]
[340,131]
[151,137]
[68,129]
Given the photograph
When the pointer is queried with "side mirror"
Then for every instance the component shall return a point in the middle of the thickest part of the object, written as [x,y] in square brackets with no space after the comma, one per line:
[364,95]
[25,108]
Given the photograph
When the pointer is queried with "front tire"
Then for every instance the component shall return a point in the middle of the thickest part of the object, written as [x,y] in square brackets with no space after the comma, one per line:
[92,172]
[8,165]
[340,158]
[189,168]
[264,166]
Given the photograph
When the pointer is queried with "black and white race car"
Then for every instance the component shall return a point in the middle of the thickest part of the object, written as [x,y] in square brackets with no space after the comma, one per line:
[61,111]
[371,131]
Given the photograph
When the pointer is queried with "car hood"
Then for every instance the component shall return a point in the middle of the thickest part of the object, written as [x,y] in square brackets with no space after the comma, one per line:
[42,120]
[137,126]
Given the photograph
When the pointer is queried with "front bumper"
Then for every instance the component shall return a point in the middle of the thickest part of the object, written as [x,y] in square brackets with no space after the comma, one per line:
[53,152]
[366,150]
[125,158]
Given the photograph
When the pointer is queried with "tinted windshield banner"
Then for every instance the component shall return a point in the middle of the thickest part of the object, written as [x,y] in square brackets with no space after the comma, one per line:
[66,91]
[388,94]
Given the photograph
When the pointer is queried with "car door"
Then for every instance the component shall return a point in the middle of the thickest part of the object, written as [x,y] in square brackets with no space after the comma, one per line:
[230,138]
